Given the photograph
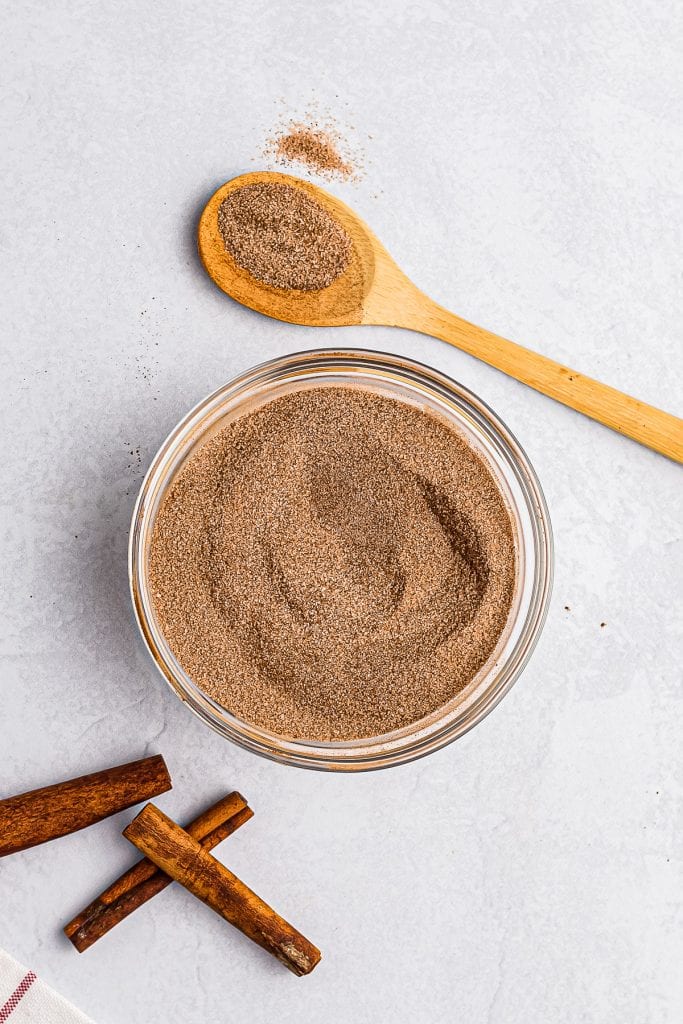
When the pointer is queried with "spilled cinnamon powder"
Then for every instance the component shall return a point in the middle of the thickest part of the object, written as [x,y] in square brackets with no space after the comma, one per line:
[315,148]
[334,565]
[319,148]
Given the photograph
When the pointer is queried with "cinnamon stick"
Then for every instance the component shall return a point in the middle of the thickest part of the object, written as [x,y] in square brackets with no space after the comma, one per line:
[144,880]
[185,860]
[53,811]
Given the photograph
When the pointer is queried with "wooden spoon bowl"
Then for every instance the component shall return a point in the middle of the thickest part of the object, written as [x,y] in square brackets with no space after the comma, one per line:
[341,304]
[374,290]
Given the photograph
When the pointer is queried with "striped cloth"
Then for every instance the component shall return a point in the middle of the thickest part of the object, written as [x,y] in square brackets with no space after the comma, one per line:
[26,1000]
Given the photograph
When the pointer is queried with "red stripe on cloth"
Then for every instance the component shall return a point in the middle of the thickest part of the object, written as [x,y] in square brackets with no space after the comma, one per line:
[16,997]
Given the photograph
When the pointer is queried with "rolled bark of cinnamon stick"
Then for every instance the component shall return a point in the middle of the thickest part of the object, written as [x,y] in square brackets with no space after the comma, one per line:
[53,811]
[184,859]
[144,880]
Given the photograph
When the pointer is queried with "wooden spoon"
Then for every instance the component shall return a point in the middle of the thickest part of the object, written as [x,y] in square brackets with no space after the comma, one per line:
[373,290]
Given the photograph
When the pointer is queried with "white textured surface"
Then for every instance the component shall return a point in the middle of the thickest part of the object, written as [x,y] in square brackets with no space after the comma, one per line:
[525,168]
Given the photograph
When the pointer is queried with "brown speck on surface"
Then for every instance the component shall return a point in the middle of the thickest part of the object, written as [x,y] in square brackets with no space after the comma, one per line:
[333,565]
[567,608]
[602,625]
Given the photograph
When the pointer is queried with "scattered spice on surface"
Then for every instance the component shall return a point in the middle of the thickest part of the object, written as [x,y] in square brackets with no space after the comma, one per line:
[318,147]
[333,565]
[283,238]
[314,147]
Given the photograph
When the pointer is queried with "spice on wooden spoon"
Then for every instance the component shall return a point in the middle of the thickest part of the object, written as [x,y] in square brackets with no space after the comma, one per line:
[282,238]
[373,290]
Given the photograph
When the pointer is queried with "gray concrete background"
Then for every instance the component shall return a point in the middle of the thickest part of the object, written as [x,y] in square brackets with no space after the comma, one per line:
[525,169]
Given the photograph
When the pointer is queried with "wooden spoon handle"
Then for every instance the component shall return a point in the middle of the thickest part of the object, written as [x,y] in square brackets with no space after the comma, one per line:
[644,423]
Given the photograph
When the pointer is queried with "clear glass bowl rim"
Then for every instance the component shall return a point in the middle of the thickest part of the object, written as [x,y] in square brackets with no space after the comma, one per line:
[406,744]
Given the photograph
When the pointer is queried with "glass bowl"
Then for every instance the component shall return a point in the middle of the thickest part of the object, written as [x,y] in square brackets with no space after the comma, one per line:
[404,379]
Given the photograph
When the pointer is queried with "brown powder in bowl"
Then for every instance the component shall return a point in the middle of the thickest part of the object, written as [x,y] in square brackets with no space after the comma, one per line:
[334,565]
[282,237]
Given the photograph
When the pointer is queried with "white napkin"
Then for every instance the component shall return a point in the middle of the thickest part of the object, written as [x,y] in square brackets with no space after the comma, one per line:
[26,1000]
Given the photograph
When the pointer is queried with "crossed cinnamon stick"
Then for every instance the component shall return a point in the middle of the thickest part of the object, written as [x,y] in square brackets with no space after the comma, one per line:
[173,853]
[144,880]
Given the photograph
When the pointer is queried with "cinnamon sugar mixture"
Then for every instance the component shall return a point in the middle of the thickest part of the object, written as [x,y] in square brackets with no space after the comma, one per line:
[282,237]
[316,146]
[334,565]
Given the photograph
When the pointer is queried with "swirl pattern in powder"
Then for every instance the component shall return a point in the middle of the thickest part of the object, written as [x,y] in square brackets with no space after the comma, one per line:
[334,565]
